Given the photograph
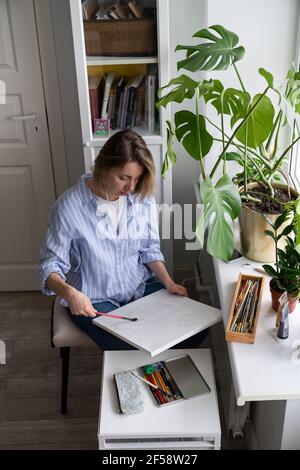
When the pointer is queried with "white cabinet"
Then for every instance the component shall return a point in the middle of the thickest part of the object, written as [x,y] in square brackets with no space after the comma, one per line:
[156,140]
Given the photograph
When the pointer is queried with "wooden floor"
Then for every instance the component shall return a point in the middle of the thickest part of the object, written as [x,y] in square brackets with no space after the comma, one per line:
[30,415]
[30,382]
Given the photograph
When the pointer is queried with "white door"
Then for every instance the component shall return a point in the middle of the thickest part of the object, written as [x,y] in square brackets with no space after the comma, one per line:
[26,179]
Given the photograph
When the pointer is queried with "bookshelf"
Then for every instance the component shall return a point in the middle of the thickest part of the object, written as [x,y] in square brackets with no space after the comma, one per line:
[87,65]
[95,60]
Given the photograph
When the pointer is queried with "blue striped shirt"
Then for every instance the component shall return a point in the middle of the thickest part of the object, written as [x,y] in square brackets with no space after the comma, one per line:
[105,261]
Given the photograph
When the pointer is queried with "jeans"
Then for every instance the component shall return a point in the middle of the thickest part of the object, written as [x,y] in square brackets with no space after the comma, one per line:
[109,342]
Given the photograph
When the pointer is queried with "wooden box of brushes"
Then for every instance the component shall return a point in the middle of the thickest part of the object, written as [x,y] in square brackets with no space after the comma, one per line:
[245,309]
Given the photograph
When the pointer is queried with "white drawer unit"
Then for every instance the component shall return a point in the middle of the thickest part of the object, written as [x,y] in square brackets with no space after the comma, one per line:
[189,424]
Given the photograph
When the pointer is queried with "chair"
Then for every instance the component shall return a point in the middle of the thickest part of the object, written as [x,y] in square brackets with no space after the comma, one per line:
[64,335]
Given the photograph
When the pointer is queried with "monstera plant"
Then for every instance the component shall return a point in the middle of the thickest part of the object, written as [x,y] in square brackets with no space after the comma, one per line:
[247,129]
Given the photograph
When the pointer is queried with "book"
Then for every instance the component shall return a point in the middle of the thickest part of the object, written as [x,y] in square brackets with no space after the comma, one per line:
[89,8]
[101,126]
[103,13]
[120,85]
[129,392]
[163,320]
[133,84]
[113,14]
[135,9]
[95,92]
[112,99]
[140,111]
[151,84]
[109,78]
[120,110]
[120,11]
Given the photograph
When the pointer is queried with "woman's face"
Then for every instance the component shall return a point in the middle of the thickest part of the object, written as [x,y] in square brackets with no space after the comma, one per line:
[122,181]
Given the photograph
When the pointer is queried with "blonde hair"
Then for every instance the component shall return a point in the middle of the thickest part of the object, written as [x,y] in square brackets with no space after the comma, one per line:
[124,147]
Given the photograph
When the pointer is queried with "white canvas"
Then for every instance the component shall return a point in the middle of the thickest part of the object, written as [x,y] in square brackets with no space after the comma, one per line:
[164,320]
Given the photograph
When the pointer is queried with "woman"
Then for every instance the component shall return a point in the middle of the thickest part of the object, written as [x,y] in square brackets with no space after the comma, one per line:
[102,246]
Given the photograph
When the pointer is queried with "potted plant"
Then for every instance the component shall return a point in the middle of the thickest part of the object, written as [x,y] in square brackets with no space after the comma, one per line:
[286,271]
[246,128]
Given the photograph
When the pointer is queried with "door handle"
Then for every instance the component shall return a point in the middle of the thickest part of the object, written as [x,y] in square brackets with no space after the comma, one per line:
[23,117]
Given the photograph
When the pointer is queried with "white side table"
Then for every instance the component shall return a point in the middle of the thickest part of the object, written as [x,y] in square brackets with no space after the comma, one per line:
[188,424]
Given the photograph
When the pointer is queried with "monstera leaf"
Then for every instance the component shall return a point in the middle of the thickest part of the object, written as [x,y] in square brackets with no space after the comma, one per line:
[184,87]
[259,125]
[221,202]
[196,145]
[218,54]
[267,76]
[227,101]
[170,153]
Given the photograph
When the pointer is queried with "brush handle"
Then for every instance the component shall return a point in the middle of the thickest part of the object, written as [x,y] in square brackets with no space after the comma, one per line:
[111,315]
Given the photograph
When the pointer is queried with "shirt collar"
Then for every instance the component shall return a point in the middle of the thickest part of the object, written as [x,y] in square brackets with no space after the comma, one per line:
[87,195]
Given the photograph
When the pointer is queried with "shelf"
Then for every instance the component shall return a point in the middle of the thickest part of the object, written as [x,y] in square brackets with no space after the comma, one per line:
[97,60]
[149,137]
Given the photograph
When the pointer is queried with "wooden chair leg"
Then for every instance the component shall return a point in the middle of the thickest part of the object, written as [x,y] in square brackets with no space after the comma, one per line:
[65,356]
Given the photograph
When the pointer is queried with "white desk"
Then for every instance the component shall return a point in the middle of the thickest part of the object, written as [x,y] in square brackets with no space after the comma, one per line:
[267,372]
[189,424]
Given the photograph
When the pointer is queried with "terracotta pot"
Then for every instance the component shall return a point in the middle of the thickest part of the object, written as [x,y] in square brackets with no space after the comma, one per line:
[275,294]
[254,243]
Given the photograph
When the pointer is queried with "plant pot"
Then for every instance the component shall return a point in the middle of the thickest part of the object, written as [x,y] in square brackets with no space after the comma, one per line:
[254,243]
[276,294]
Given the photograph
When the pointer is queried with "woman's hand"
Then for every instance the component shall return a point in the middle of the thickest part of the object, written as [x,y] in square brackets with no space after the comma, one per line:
[174,288]
[80,304]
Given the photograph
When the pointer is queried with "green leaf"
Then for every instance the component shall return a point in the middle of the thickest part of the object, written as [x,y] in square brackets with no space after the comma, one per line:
[184,88]
[165,167]
[287,230]
[269,270]
[229,101]
[280,220]
[217,54]
[258,126]
[270,234]
[186,133]
[170,153]
[233,157]
[267,75]
[290,106]
[221,202]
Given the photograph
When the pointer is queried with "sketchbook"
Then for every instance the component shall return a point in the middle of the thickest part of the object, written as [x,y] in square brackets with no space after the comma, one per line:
[163,320]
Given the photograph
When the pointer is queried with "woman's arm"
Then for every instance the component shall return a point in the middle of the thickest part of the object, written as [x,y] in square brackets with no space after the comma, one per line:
[55,264]
[159,269]
[78,303]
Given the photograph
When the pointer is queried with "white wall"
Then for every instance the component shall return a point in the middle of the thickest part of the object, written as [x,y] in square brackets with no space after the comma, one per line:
[267,29]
